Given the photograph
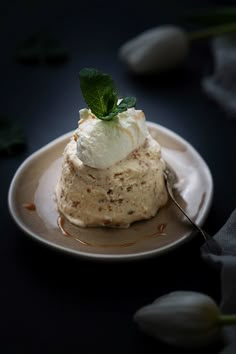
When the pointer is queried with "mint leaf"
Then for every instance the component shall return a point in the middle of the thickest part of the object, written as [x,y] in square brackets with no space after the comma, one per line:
[100,94]
[110,98]
[98,90]
[40,48]
[127,102]
[110,116]
[12,139]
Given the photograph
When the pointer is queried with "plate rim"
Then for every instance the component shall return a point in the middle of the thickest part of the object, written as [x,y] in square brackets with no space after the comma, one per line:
[110,257]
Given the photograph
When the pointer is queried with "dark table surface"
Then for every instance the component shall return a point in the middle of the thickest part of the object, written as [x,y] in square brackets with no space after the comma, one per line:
[50,302]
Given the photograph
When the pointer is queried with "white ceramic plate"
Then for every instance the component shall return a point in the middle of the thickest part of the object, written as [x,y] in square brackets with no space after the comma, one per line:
[34,184]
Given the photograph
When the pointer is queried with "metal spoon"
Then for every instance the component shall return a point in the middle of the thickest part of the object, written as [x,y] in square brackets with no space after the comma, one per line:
[212,244]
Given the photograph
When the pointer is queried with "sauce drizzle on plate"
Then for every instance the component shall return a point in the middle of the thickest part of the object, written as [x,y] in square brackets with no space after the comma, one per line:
[29,206]
[61,225]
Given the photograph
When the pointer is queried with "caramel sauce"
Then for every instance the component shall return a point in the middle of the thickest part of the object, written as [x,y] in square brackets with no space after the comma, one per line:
[137,129]
[75,136]
[61,224]
[161,227]
[202,202]
[29,206]
[127,132]
[136,117]
[81,122]
[159,232]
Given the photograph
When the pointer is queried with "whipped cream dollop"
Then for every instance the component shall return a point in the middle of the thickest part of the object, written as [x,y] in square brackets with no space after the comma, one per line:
[101,144]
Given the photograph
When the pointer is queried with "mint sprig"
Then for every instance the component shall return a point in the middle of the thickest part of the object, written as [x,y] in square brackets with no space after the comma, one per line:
[100,94]
[12,139]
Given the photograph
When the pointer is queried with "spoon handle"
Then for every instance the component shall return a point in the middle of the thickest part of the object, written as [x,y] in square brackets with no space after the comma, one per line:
[212,244]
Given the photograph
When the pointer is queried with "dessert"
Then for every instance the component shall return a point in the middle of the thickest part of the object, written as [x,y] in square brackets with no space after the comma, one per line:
[112,172]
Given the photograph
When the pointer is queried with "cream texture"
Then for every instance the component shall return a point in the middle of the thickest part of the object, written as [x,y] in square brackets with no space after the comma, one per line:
[101,144]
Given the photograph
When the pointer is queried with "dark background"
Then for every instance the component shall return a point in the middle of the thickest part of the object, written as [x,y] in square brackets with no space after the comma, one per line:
[49,302]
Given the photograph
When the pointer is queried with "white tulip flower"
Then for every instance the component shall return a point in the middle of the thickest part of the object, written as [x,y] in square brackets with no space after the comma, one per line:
[164,47]
[184,319]
[155,50]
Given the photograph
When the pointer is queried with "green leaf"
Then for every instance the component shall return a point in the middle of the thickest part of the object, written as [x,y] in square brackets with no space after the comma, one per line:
[100,94]
[98,90]
[110,116]
[110,98]
[11,137]
[127,102]
[40,48]
[213,16]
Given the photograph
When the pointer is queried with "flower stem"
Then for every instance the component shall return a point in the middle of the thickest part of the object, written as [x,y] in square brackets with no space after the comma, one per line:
[212,31]
[227,320]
